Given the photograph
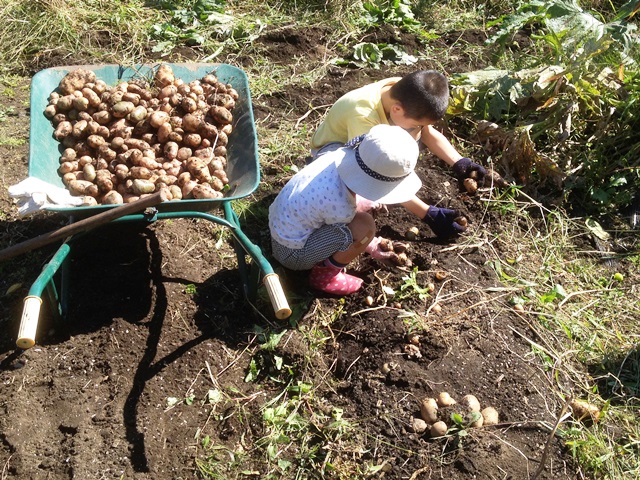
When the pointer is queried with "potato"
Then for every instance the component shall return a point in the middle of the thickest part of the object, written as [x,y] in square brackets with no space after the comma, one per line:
[184,153]
[89,201]
[191,122]
[85,160]
[63,130]
[192,140]
[112,198]
[418,425]
[470,403]
[166,93]
[176,192]
[95,141]
[89,172]
[158,118]
[221,115]
[163,132]
[142,186]
[50,111]
[171,150]
[80,104]
[105,182]
[105,152]
[217,184]
[80,187]
[222,175]
[67,167]
[164,76]
[199,169]
[140,173]
[76,80]
[476,420]
[470,185]
[135,143]
[122,109]
[222,139]
[131,97]
[445,400]
[92,97]
[80,128]
[429,410]
[189,105]
[204,190]
[227,129]
[219,151]
[187,188]
[103,117]
[121,171]
[438,429]
[490,416]
[138,114]
[584,410]
[69,155]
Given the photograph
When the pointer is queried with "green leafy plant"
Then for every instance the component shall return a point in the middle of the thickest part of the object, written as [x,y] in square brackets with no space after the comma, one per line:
[463,422]
[187,22]
[411,287]
[374,55]
[569,124]
[393,12]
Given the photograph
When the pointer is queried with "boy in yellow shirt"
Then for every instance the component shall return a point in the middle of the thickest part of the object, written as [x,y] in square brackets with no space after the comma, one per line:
[415,102]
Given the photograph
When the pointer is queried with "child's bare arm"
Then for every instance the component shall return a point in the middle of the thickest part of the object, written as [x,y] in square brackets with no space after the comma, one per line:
[439,145]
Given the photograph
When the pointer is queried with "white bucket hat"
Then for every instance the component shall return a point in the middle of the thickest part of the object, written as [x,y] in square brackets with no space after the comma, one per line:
[381,167]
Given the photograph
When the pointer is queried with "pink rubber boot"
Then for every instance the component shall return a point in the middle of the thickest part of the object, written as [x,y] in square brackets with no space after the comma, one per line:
[331,279]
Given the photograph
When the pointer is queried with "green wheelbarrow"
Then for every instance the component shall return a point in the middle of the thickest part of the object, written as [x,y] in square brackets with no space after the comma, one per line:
[243,172]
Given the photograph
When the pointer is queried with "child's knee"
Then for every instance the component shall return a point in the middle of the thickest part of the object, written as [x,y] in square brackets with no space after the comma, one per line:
[363,228]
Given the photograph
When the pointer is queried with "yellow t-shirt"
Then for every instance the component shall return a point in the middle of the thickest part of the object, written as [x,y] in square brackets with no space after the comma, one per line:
[353,114]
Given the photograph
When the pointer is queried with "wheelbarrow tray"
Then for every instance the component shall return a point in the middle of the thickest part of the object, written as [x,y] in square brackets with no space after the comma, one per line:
[242,149]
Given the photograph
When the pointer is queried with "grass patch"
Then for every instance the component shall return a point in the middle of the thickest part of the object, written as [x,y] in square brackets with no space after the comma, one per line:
[586,320]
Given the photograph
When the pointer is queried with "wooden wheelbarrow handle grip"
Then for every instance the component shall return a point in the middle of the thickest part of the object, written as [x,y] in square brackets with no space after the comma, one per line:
[29,322]
[82,225]
[277,297]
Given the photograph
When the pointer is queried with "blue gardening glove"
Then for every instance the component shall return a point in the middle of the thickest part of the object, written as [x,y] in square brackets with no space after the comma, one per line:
[444,221]
[464,168]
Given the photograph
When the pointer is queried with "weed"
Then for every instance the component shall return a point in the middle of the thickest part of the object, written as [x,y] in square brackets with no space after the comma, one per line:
[411,287]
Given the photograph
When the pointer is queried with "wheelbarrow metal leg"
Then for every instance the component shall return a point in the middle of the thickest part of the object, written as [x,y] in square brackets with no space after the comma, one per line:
[270,279]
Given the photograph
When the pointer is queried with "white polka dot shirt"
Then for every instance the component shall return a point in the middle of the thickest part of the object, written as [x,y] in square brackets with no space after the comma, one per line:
[314,197]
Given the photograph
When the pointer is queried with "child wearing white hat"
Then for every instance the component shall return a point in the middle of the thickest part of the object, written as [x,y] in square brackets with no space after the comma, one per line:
[315,223]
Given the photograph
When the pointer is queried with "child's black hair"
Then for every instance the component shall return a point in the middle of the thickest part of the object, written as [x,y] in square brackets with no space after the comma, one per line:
[422,94]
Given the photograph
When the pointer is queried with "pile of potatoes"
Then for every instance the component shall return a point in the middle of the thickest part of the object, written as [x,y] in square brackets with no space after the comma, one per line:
[135,138]
[434,410]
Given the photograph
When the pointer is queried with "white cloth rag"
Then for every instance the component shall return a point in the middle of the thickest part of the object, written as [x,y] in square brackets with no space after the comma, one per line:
[33,194]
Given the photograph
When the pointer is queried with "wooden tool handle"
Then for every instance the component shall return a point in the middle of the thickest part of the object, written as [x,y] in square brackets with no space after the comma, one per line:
[83,225]
[29,322]
[276,295]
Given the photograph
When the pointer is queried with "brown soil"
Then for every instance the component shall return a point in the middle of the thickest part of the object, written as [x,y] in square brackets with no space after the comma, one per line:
[157,311]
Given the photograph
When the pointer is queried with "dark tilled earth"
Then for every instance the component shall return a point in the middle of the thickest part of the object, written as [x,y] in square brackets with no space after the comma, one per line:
[156,311]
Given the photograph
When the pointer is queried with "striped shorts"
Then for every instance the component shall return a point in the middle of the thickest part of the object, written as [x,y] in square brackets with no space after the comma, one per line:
[320,245]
